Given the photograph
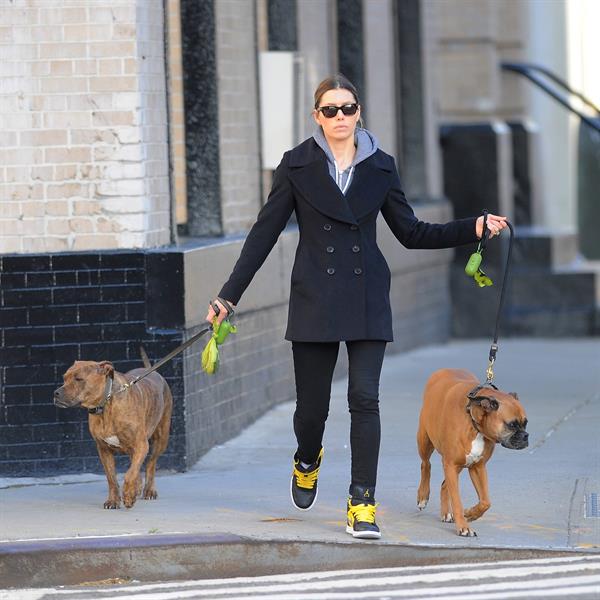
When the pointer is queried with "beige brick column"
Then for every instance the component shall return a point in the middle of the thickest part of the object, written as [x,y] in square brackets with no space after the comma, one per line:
[83,154]
[176,111]
[236,49]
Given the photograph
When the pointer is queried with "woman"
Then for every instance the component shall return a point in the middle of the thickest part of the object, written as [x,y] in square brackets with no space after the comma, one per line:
[337,182]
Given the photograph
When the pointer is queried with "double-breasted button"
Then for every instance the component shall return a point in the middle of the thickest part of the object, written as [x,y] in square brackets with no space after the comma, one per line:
[355,248]
[353,227]
[330,271]
[330,249]
[357,271]
[327,227]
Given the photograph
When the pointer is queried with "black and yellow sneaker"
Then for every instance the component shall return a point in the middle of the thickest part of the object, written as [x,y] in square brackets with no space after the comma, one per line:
[303,487]
[361,513]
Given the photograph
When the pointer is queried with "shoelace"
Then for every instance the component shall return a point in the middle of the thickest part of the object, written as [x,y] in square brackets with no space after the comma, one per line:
[306,480]
[364,513]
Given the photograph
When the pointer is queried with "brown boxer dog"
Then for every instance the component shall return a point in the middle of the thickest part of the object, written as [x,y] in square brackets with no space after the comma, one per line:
[464,421]
[121,421]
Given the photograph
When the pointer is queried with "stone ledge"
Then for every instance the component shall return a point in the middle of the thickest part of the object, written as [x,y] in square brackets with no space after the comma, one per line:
[206,263]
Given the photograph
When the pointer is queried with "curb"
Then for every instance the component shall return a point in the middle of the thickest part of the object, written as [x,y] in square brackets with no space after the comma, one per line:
[187,556]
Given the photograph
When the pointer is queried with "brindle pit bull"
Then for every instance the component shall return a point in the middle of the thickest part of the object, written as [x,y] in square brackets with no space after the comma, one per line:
[126,424]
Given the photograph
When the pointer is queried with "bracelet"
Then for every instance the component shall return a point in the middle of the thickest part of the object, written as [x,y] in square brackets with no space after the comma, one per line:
[226,304]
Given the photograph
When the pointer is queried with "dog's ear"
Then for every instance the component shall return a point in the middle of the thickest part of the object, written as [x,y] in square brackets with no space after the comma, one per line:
[514,395]
[489,404]
[107,368]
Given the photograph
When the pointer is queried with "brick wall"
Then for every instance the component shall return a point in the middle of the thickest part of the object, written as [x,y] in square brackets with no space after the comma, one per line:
[256,373]
[55,309]
[239,143]
[83,121]
[176,112]
[58,308]
[468,41]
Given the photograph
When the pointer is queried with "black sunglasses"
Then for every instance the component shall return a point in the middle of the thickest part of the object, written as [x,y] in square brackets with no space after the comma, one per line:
[331,111]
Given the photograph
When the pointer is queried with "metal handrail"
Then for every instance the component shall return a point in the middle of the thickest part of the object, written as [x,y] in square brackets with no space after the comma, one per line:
[530,72]
[550,75]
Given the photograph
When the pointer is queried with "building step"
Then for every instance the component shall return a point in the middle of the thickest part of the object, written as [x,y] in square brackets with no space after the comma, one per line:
[581,265]
[552,291]
[551,303]
[543,246]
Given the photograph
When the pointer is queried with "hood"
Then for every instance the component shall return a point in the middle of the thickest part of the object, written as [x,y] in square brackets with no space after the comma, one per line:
[365,142]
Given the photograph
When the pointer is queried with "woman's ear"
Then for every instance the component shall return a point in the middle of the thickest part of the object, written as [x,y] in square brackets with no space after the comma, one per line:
[315,115]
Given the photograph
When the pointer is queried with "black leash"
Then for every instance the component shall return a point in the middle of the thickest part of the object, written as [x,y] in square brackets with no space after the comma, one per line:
[494,346]
[166,359]
[108,389]
[183,346]
[473,395]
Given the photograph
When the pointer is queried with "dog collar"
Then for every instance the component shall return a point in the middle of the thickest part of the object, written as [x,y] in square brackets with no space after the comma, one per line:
[98,410]
[472,395]
[474,423]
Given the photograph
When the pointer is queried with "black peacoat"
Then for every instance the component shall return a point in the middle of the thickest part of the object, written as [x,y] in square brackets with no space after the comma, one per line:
[340,281]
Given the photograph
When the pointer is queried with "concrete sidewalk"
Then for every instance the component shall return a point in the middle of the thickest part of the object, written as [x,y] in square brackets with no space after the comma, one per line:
[242,488]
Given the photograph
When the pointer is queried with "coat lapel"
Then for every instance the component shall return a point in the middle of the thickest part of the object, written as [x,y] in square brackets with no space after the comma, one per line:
[310,175]
[308,172]
[319,189]
[369,186]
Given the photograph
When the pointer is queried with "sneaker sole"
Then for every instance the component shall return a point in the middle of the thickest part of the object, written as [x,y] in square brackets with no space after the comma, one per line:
[299,507]
[363,535]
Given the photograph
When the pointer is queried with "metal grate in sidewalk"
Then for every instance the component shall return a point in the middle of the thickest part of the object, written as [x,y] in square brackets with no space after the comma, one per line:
[591,506]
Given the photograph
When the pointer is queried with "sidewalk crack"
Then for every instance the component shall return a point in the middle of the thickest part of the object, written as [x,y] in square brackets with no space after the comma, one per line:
[562,420]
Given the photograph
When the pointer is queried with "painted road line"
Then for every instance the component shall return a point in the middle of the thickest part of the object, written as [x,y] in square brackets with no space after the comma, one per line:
[367,582]
[326,575]
[538,587]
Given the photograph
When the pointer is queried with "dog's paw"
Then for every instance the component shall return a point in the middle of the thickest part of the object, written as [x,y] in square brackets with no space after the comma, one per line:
[472,514]
[112,504]
[129,500]
[150,495]
[421,504]
[466,532]
[448,518]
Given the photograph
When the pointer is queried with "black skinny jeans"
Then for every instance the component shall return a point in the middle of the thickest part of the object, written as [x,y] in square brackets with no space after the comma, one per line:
[313,366]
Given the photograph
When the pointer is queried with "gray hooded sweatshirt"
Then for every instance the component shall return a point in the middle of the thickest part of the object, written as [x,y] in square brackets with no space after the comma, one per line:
[366,145]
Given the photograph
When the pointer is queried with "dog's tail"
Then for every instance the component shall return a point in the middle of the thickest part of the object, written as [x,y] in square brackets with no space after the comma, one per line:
[145,358]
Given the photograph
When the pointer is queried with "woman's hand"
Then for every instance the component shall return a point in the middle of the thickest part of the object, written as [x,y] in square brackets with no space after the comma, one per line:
[495,225]
[222,311]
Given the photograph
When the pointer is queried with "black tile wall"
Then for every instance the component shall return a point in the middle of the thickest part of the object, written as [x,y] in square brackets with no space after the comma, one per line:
[55,309]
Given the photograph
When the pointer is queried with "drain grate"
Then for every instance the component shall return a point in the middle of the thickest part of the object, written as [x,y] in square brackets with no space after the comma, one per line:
[591,506]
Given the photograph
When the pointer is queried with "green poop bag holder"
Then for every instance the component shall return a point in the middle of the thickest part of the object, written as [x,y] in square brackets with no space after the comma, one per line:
[210,354]
[473,266]
[473,269]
